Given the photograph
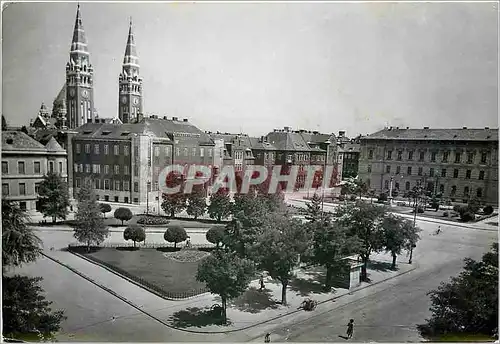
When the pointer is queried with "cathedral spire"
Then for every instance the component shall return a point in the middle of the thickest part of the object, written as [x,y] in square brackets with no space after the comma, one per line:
[79,42]
[130,58]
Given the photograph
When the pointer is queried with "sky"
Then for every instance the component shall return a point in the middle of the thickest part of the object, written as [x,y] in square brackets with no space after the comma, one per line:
[255,67]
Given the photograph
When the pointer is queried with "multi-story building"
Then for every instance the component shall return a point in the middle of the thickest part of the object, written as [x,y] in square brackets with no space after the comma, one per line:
[24,164]
[348,155]
[237,150]
[125,160]
[458,164]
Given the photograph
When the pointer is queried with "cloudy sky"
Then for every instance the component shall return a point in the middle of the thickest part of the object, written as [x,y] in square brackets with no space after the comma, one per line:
[254,67]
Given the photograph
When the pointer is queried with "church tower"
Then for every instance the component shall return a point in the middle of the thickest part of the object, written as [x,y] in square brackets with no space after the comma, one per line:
[79,79]
[130,84]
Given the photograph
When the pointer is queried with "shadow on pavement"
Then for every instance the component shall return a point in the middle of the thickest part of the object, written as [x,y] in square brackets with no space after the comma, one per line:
[307,286]
[254,301]
[195,317]
[380,266]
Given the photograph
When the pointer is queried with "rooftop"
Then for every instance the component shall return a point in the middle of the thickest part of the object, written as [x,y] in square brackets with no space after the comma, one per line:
[17,140]
[464,134]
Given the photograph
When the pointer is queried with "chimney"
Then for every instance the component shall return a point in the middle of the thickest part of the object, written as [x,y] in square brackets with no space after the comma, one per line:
[486,128]
[185,120]
[426,127]
[341,133]
[165,117]
[174,118]
[407,127]
[464,127]
[286,129]
[97,120]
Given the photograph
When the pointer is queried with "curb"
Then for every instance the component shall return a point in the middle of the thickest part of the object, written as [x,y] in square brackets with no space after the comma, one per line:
[208,332]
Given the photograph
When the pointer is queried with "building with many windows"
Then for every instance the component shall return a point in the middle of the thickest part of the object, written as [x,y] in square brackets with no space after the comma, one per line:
[24,163]
[458,164]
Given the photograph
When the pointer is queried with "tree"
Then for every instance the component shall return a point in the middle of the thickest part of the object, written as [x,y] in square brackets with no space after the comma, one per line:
[197,203]
[53,196]
[175,234]
[277,245]
[4,124]
[105,208]
[123,214]
[20,245]
[25,310]
[332,243]
[474,205]
[364,220]
[220,205]
[313,210]
[468,304]
[89,227]
[215,235]
[398,234]
[173,203]
[135,233]
[226,275]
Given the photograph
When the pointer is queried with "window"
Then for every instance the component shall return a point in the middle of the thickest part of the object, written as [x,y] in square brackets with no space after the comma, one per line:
[60,167]
[422,156]
[481,175]
[126,200]
[106,169]
[453,190]
[106,198]
[96,168]
[398,169]
[96,149]
[117,169]
[420,171]
[483,157]
[22,205]
[470,157]
[202,152]
[210,152]
[455,173]
[87,148]
[479,193]
[117,185]
[117,199]
[126,186]
[410,155]
[87,168]
[51,166]
[177,151]
[433,156]
[369,168]
[431,172]
[194,151]
[106,184]
[157,171]
[388,169]
[396,185]
[136,200]
[37,188]
[77,182]
[36,167]
[408,171]
[441,188]
[155,186]
[97,183]
[136,187]
[458,157]
[400,155]
[125,150]
[445,156]
[168,150]
[185,152]
[5,167]
[116,149]
[5,189]
[466,191]
[389,155]
[157,151]
[80,168]
[78,148]
[125,170]
[106,149]
[20,167]
[136,170]
[467,174]
[370,154]
[22,189]
[386,183]
[148,186]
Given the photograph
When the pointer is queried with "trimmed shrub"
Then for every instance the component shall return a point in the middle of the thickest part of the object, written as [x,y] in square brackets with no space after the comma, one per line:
[123,214]
[467,216]
[215,235]
[446,214]
[420,210]
[488,210]
[474,205]
[104,208]
[175,234]
[153,220]
[382,197]
[456,208]
[135,233]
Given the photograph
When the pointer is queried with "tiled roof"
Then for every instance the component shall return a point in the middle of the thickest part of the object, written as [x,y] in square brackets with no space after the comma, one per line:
[288,141]
[17,140]
[257,143]
[54,146]
[350,147]
[436,134]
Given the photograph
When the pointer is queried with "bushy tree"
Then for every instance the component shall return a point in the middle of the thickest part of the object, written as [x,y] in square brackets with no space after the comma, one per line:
[105,208]
[468,304]
[474,205]
[53,197]
[20,245]
[123,214]
[89,227]
[332,243]
[277,246]
[398,234]
[175,234]
[488,210]
[215,235]
[226,275]
[174,203]
[313,210]
[196,202]
[135,233]
[220,205]
[25,310]
[364,221]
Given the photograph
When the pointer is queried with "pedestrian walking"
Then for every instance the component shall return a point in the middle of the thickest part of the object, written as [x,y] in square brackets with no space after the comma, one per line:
[261,281]
[350,328]
[267,338]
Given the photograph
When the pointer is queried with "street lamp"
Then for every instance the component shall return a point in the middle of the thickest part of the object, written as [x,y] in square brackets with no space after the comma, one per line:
[327,142]
[417,193]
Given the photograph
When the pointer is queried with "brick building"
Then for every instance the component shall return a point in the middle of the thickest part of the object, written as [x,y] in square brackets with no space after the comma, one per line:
[24,163]
[459,164]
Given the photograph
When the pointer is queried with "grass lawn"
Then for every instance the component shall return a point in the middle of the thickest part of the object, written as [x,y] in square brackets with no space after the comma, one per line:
[153,266]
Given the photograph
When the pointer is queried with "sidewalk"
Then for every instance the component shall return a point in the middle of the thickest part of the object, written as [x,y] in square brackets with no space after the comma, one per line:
[254,307]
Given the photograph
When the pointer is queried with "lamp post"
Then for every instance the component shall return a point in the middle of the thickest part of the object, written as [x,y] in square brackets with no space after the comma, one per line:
[390,190]
[418,191]
[327,142]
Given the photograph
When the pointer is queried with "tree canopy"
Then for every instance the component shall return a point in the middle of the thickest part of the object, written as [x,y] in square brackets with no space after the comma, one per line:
[196,202]
[123,214]
[135,233]
[220,205]
[53,197]
[175,234]
[216,234]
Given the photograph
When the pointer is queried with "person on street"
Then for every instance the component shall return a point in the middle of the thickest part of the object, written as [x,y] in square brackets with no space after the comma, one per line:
[267,338]
[350,328]
[261,281]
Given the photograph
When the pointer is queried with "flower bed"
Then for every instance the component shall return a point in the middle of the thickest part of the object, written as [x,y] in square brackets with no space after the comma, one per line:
[152,221]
